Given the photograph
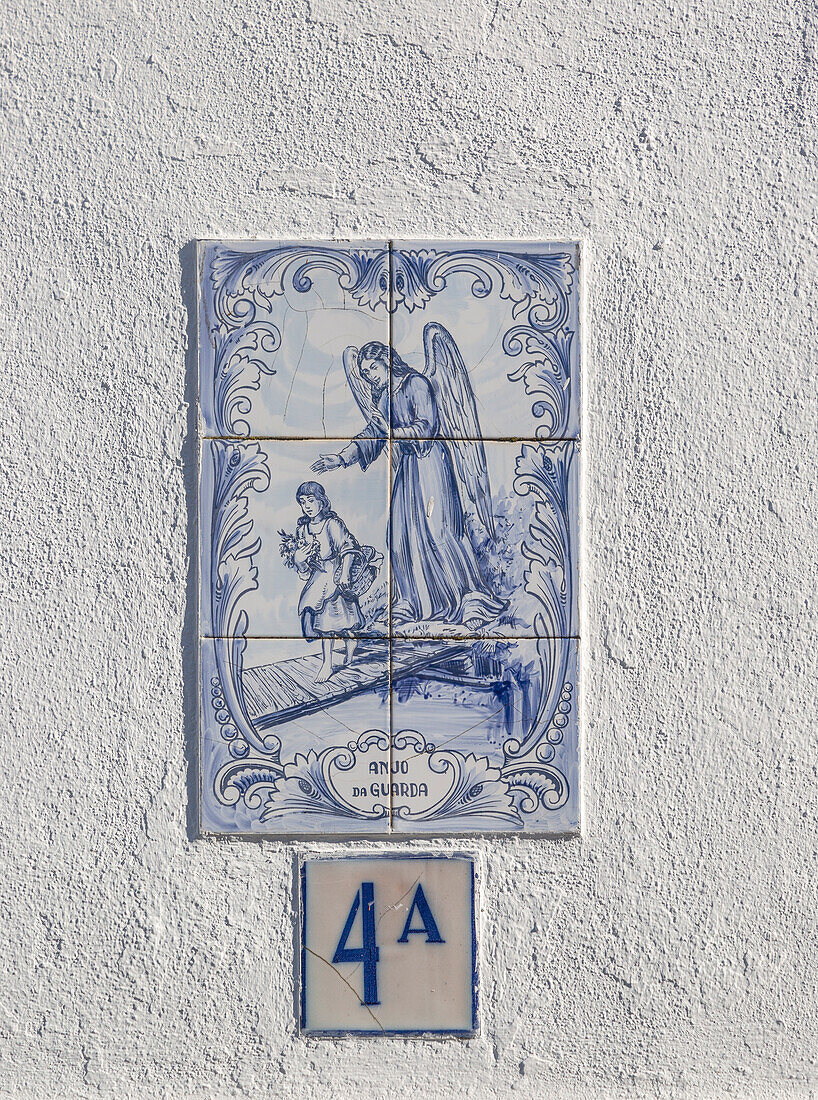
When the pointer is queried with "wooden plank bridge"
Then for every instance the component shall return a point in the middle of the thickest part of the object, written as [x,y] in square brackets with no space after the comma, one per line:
[286,690]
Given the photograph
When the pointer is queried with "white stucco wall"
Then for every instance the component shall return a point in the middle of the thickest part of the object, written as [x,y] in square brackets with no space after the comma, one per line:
[666,953]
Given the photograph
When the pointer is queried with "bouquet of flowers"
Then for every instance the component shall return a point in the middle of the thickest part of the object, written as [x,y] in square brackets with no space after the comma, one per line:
[290,544]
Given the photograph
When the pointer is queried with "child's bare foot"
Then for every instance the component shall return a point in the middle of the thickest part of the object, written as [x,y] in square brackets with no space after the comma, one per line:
[326,670]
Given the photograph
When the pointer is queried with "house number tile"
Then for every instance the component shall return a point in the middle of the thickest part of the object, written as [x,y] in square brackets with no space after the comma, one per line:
[388,946]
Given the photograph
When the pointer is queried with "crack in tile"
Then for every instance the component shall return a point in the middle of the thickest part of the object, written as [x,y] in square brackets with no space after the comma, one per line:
[315,955]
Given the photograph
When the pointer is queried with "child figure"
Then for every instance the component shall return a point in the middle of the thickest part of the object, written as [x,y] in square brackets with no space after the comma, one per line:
[337,570]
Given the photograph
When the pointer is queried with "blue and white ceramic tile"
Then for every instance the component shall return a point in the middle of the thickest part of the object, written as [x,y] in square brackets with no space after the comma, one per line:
[287,551]
[494,332]
[484,538]
[485,735]
[358,498]
[415,972]
[275,321]
[284,750]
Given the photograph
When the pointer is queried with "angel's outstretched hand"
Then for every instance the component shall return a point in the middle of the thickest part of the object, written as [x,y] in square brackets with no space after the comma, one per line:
[326,463]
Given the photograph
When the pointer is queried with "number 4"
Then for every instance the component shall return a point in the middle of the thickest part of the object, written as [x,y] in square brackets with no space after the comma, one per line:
[368,952]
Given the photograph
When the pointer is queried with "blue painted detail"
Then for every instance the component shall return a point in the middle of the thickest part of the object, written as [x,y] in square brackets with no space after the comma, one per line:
[474,970]
[302,956]
[368,952]
[306,787]
[430,928]
[449,564]
[238,469]
[437,455]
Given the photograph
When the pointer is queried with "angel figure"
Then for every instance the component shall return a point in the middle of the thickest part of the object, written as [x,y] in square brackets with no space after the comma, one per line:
[439,469]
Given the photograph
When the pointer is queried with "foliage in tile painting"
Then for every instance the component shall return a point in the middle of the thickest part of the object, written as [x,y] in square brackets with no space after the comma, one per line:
[458,642]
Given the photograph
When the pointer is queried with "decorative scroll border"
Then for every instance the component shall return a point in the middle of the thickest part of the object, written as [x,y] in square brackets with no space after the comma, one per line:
[242,286]
[478,792]
[307,785]
[238,468]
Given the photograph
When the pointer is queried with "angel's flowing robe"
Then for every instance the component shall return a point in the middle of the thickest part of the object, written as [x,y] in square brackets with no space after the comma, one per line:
[435,571]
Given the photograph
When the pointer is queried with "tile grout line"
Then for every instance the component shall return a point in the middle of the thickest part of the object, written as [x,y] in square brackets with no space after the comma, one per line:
[453,639]
[348,438]
[390,307]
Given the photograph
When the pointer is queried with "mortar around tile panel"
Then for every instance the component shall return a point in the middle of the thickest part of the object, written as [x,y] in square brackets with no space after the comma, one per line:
[485,735]
[284,751]
[494,330]
[388,946]
[255,576]
[275,318]
[484,539]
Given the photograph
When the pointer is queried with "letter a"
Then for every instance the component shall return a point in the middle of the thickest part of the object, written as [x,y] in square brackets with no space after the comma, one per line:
[420,903]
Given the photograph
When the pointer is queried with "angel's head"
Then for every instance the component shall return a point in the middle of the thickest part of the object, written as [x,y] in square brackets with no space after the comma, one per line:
[313,499]
[374,361]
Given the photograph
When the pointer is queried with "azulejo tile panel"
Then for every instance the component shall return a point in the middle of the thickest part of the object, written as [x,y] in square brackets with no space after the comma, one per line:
[276,537]
[284,750]
[485,735]
[275,320]
[494,554]
[389,529]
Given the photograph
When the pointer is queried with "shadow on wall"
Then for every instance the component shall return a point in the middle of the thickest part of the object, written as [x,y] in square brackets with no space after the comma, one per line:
[190,625]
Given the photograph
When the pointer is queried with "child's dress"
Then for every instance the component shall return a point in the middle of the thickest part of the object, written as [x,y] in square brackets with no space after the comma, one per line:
[326,606]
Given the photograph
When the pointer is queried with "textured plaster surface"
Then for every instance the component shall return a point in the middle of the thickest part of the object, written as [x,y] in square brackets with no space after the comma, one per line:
[671,950]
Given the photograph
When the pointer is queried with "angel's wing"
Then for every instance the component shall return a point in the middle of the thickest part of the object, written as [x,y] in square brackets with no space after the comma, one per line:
[361,390]
[457,413]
